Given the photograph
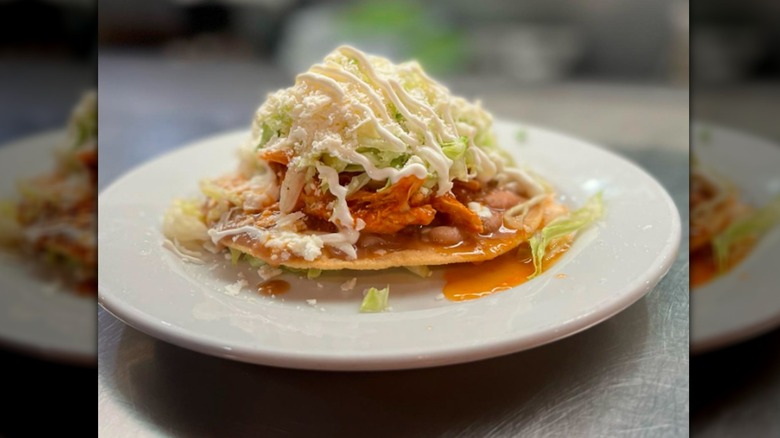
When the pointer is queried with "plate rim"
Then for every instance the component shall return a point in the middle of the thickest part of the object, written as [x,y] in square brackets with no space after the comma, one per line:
[377,361]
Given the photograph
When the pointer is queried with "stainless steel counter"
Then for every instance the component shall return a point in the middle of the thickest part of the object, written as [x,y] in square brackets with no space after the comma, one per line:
[628,376]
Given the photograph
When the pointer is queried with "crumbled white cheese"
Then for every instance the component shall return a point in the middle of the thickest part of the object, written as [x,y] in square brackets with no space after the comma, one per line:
[481,210]
[236,288]
[349,284]
[308,246]
[267,272]
[312,302]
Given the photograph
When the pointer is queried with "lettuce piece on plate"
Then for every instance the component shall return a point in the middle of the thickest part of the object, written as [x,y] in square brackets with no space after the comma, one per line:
[753,226]
[375,300]
[562,227]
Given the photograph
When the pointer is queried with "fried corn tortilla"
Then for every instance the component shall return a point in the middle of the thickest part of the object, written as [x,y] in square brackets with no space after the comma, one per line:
[391,251]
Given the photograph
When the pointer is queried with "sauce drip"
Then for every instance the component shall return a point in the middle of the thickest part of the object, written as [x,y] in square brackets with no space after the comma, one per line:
[469,281]
[273,287]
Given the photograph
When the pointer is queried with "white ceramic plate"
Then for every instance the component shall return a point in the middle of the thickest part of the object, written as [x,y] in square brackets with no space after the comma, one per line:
[37,314]
[745,302]
[609,267]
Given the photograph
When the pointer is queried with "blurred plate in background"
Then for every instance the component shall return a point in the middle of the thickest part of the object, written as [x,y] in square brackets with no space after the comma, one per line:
[39,315]
[744,302]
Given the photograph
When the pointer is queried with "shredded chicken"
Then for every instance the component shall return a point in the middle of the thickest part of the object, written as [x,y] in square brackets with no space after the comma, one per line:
[458,213]
[389,211]
[281,156]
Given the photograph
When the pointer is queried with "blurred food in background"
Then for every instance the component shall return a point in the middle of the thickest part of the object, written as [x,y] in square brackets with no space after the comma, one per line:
[530,42]
[53,218]
[736,72]
[47,59]
[47,332]
[736,64]
[402,30]
[735,384]
[724,228]
[47,54]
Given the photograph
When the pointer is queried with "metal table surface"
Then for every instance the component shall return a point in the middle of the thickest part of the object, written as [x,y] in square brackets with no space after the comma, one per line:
[627,376]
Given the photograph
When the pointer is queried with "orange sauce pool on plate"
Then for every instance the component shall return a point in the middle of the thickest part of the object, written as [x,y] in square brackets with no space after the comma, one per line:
[273,287]
[469,281]
[704,269]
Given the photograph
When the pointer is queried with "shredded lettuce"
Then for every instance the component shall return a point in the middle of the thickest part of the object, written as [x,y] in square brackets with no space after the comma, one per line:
[33,192]
[267,134]
[218,193]
[184,222]
[8,209]
[382,158]
[335,163]
[311,274]
[422,270]
[454,150]
[277,124]
[293,270]
[562,227]
[253,261]
[753,226]
[235,255]
[86,129]
[399,161]
[375,300]
[10,231]
[82,125]
[485,139]
[357,183]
